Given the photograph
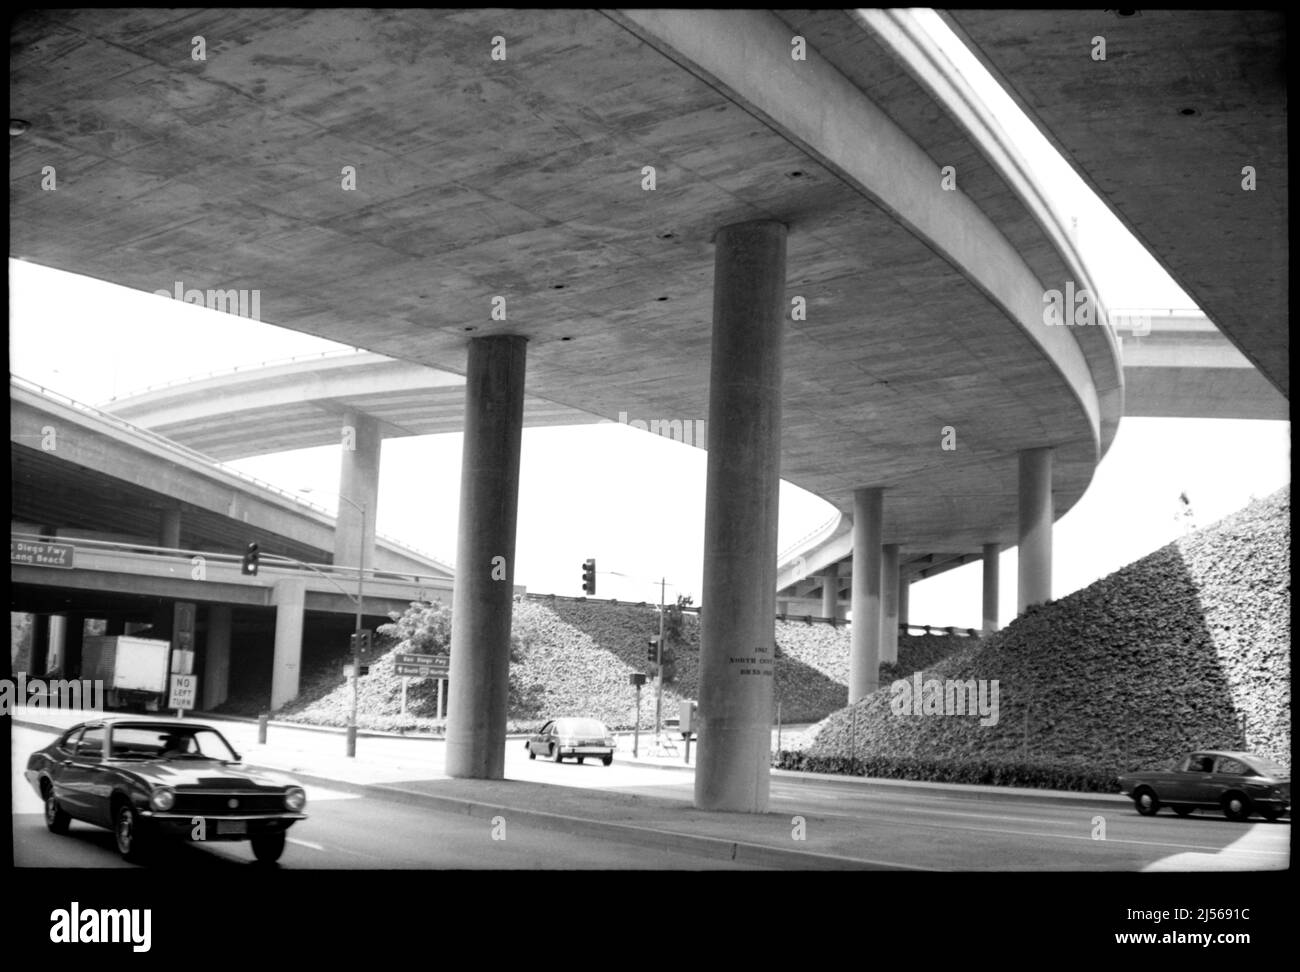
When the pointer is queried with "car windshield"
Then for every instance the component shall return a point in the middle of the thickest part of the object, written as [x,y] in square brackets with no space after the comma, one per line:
[163,741]
[580,727]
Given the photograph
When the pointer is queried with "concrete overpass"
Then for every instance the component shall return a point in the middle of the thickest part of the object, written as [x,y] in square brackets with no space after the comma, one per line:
[142,523]
[786,223]
[1182,132]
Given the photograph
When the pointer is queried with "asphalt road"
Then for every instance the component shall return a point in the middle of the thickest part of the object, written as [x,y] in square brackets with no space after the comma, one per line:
[344,830]
[944,829]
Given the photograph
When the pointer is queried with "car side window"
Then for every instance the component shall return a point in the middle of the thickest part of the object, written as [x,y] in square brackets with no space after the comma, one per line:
[91,745]
[1233,767]
[69,743]
[545,729]
[1199,764]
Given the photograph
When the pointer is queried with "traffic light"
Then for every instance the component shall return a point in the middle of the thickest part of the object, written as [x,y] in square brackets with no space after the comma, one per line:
[589,576]
[652,652]
[251,557]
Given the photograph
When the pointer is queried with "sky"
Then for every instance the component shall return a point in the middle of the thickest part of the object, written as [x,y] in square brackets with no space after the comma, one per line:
[635,501]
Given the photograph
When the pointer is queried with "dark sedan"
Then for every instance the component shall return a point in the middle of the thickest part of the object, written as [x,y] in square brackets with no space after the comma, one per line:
[578,738]
[1238,784]
[148,779]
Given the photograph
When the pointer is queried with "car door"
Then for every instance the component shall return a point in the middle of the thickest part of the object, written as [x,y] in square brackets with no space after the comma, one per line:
[79,772]
[540,741]
[1197,782]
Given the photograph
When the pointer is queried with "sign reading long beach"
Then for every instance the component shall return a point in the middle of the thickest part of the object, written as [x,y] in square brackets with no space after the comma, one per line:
[40,554]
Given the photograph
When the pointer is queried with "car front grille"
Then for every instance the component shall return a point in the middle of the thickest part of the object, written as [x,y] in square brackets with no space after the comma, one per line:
[209,803]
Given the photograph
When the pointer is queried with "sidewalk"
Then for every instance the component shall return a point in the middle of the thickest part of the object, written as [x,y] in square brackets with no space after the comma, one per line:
[409,769]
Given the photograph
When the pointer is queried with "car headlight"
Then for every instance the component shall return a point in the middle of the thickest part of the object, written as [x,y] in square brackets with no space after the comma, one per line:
[295,798]
[163,798]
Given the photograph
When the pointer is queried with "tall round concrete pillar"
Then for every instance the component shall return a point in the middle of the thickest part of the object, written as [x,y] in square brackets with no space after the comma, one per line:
[864,636]
[991,551]
[55,660]
[737,633]
[904,596]
[359,482]
[831,591]
[169,529]
[290,598]
[216,657]
[1035,573]
[482,599]
[889,607]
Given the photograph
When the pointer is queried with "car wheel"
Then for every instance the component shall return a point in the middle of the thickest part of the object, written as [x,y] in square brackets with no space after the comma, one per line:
[555,754]
[129,833]
[1147,803]
[1183,811]
[1236,807]
[267,848]
[581,760]
[531,754]
[55,817]
[1271,814]
[607,759]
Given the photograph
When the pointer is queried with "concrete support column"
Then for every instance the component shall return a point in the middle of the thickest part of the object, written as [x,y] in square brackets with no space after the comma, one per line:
[40,653]
[289,597]
[889,607]
[359,482]
[73,633]
[991,551]
[169,529]
[1035,574]
[737,635]
[864,636]
[782,607]
[482,599]
[54,659]
[904,596]
[831,592]
[216,656]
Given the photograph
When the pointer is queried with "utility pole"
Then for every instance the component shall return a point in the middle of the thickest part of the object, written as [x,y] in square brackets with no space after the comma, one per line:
[659,661]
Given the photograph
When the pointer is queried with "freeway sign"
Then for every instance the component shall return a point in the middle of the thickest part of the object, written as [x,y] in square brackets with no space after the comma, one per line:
[420,666]
[41,554]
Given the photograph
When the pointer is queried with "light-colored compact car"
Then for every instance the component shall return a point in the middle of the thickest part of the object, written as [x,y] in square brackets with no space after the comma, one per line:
[148,779]
[1238,784]
[575,737]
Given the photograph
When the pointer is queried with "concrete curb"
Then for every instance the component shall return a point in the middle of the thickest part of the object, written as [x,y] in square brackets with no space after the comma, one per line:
[717,848]
[971,790]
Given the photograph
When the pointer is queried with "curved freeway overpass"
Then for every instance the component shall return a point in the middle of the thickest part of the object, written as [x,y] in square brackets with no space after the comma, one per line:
[748,217]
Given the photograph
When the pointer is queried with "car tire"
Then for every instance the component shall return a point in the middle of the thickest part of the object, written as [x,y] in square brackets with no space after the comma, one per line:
[555,754]
[1183,811]
[267,848]
[1236,807]
[531,754]
[129,834]
[56,818]
[581,760]
[1272,814]
[1148,804]
[607,760]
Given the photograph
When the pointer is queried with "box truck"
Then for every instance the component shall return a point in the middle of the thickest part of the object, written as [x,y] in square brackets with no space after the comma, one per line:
[133,670]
